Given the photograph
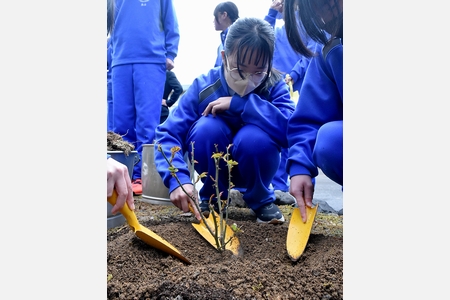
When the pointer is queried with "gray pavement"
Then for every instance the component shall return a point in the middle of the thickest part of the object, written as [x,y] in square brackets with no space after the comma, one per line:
[328,195]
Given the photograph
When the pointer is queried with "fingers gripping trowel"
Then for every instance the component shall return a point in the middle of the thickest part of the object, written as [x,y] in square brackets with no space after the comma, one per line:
[145,234]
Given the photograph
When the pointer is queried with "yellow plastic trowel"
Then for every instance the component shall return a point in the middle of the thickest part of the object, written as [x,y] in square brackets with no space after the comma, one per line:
[202,229]
[294,95]
[145,234]
[298,232]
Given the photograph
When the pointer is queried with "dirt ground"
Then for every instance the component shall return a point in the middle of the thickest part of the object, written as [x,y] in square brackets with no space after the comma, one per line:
[264,270]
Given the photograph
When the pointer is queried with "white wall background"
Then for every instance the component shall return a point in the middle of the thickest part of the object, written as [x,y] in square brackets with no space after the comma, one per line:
[198,39]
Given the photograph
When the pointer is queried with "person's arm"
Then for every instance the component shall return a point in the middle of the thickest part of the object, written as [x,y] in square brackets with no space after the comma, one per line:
[299,69]
[271,17]
[171,30]
[176,86]
[271,116]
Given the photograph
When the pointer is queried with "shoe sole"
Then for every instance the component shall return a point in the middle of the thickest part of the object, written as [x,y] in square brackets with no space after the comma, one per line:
[273,221]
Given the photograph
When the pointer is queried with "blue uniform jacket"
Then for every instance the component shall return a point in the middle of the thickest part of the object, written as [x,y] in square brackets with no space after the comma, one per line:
[144,32]
[270,113]
[321,101]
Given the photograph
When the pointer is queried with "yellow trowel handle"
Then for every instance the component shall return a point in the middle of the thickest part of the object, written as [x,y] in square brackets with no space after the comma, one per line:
[125,211]
[291,89]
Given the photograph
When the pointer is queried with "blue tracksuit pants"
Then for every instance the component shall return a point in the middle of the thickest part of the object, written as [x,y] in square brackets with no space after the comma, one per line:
[328,151]
[257,155]
[137,91]
[280,181]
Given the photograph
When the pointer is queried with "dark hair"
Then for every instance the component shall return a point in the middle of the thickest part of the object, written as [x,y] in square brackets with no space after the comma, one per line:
[110,10]
[311,22]
[253,37]
[230,8]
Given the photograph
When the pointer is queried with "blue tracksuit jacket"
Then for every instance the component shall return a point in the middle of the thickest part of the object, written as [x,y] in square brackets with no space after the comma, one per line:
[268,114]
[142,35]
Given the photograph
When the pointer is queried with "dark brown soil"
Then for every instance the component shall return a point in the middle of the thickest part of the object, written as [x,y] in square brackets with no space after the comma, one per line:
[136,270]
[115,142]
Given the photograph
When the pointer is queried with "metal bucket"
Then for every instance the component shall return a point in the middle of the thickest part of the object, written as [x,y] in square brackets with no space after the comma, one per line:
[129,161]
[153,189]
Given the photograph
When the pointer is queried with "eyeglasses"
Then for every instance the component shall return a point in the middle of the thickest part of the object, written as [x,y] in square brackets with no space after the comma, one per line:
[256,77]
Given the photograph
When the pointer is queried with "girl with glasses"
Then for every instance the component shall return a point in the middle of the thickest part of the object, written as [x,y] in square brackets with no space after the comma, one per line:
[244,103]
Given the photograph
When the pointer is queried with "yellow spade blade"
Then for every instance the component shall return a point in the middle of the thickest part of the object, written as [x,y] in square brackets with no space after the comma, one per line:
[294,95]
[154,240]
[145,234]
[233,245]
[298,232]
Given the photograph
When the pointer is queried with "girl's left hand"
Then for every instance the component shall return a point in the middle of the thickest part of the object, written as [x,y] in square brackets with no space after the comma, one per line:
[217,106]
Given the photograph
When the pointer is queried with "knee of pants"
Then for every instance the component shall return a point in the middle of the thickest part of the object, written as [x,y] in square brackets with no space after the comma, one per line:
[329,140]
[206,133]
[255,151]
[252,140]
[328,150]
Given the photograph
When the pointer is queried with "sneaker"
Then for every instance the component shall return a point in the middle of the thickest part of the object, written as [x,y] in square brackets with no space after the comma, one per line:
[137,187]
[283,198]
[269,213]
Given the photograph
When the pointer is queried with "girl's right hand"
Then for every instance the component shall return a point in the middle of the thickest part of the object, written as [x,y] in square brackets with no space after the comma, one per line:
[181,200]
[302,188]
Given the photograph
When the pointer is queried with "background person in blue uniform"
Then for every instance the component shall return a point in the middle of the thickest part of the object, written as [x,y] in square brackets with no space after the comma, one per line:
[244,103]
[315,129]
[225,14]
[286,59]
[172,91]
[294,65]
[144,38]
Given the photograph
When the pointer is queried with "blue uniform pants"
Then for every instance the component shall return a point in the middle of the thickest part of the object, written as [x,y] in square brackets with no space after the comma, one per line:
[258,158]
[328,151]
[280,181]
[137,91]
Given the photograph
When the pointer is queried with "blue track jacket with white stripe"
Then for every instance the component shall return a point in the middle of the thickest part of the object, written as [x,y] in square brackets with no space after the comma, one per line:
[269,112]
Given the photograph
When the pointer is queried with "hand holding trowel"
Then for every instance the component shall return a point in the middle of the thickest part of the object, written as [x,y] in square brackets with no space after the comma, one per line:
[144,233]
[294,94]
[299,230]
